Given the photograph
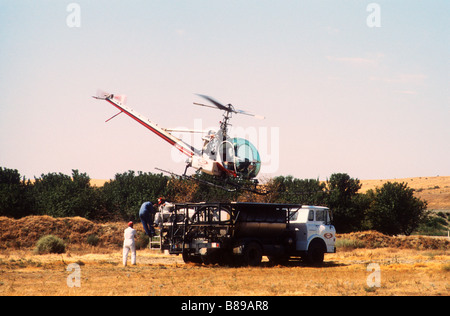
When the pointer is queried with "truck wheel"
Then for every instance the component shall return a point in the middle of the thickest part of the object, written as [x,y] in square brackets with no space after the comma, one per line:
[316,252]
[188,258]
[212,257]
[252,254]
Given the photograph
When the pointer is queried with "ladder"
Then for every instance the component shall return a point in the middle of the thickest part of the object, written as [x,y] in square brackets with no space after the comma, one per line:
[155,242]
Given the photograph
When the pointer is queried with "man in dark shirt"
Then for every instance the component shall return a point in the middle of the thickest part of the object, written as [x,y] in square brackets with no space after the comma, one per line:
[146,214]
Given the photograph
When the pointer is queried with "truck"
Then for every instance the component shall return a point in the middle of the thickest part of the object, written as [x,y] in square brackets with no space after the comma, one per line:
[240,234]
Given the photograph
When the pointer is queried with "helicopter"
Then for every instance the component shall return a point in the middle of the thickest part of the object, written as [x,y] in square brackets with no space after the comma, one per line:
[233,162]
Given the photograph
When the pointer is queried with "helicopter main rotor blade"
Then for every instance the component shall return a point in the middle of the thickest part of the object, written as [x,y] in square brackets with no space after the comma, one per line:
[228,108]
[205,105]
[216,103]
[259,117]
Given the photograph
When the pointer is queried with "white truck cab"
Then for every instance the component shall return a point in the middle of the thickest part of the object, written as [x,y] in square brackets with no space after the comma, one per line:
[315,234]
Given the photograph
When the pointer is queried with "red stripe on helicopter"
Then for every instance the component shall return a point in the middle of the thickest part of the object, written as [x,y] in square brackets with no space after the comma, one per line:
[225,170]
[167,139]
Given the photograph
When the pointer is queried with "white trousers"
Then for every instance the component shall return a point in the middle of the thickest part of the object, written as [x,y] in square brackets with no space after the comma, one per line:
[127,247]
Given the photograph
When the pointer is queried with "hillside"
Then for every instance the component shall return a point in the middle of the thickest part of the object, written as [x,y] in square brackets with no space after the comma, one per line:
[24,232]
[434,190]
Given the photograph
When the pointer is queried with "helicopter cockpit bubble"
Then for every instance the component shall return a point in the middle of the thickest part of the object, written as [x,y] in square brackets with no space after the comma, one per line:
[240,156]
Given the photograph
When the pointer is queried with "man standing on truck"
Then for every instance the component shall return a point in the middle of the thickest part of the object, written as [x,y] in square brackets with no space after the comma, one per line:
[146,214]
[163,211]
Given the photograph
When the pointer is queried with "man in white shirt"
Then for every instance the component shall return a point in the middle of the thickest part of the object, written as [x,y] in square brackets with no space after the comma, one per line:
[129,244]
[165,209]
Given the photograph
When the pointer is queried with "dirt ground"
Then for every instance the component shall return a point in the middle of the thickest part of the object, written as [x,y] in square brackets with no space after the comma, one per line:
[411,265]
[401,272]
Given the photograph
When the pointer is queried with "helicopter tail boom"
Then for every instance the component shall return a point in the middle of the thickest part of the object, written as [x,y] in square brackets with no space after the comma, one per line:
[174,141]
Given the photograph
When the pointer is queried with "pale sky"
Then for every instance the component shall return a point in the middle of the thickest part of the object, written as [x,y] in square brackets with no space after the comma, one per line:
[337,94]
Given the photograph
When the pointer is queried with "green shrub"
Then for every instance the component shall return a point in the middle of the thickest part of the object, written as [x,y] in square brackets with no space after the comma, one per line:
[93,240]
[349,244]
[142,240]
[50,244]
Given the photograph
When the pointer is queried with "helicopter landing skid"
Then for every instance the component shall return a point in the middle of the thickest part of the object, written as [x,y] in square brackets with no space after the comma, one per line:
[229,186]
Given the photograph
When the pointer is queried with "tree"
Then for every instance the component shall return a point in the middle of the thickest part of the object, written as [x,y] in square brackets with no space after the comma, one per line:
[15,199]
[60,195]
[181,190]
[125,194]
[395,210]
[348,206]
[206,191]
[292,190]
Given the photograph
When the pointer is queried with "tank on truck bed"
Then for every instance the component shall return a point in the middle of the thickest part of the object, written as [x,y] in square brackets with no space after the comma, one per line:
[241,233]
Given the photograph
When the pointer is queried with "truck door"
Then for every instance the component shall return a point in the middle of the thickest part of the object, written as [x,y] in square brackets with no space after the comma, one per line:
[325,229]
[308,229]
[312,224]
[299,221]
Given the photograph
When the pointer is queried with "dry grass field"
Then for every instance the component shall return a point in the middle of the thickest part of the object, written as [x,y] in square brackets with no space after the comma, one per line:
[402,272]
[408,265]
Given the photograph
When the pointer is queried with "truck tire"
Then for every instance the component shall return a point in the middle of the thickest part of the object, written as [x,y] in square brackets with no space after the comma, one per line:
[188,258]
[316,252]
[211,257]
[252,255]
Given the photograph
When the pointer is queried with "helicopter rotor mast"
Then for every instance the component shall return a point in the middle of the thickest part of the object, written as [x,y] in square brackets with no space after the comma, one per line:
[228,109]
